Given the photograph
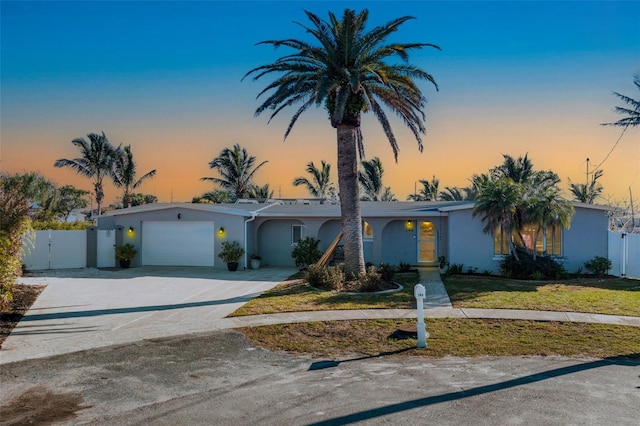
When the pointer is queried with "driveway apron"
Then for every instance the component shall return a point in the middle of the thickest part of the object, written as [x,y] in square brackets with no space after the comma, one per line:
[113,307]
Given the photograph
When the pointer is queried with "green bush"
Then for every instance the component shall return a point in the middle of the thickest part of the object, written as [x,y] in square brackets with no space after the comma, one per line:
[370,281]
[455,268]
[306,252]
[404,267]
[44,225]
[528,268]
[325,277]
[386,271]
[598,266]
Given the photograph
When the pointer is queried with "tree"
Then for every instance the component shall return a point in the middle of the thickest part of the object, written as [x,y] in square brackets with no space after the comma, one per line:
[15,207]
[319,186]
[370,178]
[138,199]
[518,170]
[429,191]
[260,192]
[349,72]
[123,173]
[587,193]
[236,168]
[632,113]
[457,194]
[95,163]
[213,197]
[69,198]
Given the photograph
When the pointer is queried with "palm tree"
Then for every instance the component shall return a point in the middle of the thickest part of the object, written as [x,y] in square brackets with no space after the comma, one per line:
[95,163]
[348,72]
[517,170]
[123,173]
[370,178]
[587,193]
[457,194]
[632,114]
[260,192]
[319,186]
[429,191]
[498,203]
[237,168]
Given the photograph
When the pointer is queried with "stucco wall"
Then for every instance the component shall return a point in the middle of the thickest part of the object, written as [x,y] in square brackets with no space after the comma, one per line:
[398,244]
[274,241]
[587,238]
[468,245]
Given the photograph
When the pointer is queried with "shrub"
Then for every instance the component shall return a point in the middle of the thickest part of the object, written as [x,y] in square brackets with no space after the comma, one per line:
[387,270]
[325,277]
[526,267]
[404,267]
[442,262]
[598,266]
[455,268]
[306,252]
[231,252]
[44,225]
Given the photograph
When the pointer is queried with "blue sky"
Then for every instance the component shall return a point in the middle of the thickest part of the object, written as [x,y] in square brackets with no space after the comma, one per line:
[165,77]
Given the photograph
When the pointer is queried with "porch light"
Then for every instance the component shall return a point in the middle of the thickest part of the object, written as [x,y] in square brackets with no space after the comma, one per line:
[221,231]
[131,230]
[408,226]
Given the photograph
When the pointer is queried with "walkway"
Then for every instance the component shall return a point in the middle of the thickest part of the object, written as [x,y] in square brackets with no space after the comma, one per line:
[79,313]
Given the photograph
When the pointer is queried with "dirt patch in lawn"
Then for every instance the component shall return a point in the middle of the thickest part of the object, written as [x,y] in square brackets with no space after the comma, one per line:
[39,405]
[23,297]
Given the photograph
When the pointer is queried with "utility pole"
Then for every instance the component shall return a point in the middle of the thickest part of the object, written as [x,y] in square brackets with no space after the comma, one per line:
[587,171]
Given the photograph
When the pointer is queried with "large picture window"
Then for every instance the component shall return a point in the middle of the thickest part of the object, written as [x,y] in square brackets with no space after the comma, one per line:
[549,241]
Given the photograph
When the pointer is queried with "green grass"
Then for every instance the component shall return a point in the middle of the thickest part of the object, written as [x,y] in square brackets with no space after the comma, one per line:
[299,297]
[613,296]
[450,337]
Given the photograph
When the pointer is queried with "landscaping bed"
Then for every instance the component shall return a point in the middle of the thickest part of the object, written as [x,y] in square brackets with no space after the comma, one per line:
[23,297]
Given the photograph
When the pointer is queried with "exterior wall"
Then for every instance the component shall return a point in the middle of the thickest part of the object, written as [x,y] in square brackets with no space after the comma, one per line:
[233,228]
[274,241]
[57,250]
[468,245]
[398,244]
[587,238]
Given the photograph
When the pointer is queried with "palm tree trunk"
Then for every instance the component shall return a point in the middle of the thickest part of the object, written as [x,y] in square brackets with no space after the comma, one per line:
[350,199]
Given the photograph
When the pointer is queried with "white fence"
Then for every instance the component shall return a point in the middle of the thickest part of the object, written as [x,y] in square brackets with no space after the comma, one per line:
[106,253]
[624,253]
[57,250]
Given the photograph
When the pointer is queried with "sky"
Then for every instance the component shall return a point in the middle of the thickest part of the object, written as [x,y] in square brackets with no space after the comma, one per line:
[514,78]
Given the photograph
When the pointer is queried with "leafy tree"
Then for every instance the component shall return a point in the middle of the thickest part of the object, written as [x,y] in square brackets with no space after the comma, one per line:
[319,186]
[69,198]
[214,197]
[587,193]
[261,192]
[632,112]
[236,168]
[95,162]
[15,206]
[123,173]
[349,72]
[429,191]
[138,199]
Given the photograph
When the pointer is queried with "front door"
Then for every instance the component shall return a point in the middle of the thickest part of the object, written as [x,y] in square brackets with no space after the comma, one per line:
[426,242]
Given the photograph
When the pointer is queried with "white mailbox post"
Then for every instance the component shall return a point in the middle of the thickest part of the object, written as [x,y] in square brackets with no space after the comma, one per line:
[420,293]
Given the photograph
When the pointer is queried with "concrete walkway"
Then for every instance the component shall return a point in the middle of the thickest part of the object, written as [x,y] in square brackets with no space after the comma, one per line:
[78,313]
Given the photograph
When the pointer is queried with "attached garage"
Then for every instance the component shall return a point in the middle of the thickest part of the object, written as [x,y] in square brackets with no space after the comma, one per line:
[170,243]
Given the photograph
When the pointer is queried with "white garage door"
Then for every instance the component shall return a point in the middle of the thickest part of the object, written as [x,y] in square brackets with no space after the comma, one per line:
[178,243]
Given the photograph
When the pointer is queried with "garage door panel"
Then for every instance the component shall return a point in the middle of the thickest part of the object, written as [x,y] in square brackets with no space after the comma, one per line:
[178,243]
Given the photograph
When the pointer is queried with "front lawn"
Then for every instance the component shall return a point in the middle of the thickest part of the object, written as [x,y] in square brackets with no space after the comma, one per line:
[449,337]
[299,297]
[613,296]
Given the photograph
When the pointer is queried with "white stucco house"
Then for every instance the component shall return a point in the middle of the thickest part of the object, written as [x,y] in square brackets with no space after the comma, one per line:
[418,233]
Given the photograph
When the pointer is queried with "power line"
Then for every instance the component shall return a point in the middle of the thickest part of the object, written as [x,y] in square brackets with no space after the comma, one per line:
[614,147]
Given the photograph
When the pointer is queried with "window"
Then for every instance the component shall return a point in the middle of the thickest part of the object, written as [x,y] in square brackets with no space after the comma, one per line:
[549,241]
[367,232]
[296,234]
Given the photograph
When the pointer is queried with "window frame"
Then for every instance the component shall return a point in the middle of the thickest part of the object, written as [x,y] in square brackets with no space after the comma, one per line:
[294,242]
[549,239]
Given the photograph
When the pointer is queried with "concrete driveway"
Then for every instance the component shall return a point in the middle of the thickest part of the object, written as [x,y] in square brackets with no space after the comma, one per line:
[91,308]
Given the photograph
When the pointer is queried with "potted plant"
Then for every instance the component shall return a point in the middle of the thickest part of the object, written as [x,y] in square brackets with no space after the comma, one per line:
[231,252]
[125,254]
[255,261]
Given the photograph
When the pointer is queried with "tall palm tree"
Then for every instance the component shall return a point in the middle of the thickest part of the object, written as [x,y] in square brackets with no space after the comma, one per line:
[349,72]
[123,173]
[457,194]
[236,168]
[632,113]
[517,170]
[95,163]
[319,186]
[587,193]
